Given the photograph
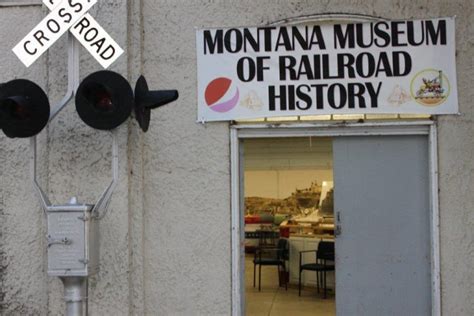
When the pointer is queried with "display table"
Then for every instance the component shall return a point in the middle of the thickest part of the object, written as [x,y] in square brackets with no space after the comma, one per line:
[313,228]
[302,243]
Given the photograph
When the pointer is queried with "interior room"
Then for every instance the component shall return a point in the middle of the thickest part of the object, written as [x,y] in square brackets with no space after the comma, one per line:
[289,226]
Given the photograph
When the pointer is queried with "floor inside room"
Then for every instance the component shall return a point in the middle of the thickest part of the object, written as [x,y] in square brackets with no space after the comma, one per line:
[273,300]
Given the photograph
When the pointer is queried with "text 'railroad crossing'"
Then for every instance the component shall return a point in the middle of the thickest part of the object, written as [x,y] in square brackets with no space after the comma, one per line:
[68,15]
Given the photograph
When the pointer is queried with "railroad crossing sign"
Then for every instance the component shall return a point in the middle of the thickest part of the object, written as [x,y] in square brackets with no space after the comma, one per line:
[68,15]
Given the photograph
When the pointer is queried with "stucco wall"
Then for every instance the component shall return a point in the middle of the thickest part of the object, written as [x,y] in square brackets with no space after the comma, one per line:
[165,245]
[22,278]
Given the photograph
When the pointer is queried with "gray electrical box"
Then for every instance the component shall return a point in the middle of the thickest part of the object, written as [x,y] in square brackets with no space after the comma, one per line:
[73,240]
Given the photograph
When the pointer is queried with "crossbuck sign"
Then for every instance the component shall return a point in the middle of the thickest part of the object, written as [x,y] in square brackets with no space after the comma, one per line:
[68,15]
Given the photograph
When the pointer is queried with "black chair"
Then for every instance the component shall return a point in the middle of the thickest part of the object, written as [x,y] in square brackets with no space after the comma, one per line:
[275,256]
[324,254]
[267,238]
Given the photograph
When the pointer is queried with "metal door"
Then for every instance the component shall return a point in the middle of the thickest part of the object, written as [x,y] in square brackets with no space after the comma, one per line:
[382,207]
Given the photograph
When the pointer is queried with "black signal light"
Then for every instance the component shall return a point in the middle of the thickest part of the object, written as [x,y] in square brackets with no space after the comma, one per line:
[104,100]
[24,108]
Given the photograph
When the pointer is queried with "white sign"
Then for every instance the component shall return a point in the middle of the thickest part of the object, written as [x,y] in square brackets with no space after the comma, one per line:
[93,37]
[48,31]
[68,15]
[362,68]
[96,40]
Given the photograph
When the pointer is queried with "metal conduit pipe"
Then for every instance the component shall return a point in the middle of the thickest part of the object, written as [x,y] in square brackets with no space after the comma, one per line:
[75,296]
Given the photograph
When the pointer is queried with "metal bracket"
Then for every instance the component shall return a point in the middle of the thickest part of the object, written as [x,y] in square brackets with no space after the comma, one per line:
[100,208]
[73,76]
[73,82]
[84,261]
[45,203]
[83,218]
[57,241]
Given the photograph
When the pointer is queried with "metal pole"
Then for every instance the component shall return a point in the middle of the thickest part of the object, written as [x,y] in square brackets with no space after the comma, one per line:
[72,76]
[73,82]
[75,295]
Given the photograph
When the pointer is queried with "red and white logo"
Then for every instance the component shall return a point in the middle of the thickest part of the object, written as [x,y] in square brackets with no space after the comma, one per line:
[221,95]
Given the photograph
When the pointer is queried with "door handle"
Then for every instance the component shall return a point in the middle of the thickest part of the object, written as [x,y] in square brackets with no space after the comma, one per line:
[57,241]
[338,228]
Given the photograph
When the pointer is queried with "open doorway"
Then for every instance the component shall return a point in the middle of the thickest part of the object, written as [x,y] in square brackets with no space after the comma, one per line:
[385,219]
[289,216]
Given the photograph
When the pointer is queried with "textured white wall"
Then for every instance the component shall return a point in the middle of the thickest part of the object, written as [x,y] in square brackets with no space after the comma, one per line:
[22,277]
[165,246]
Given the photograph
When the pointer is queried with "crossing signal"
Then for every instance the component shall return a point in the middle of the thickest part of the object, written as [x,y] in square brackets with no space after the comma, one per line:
[24,108]
[146,100]
[104,100]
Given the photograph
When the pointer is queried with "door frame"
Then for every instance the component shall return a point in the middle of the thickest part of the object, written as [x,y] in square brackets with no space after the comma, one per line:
[326,129]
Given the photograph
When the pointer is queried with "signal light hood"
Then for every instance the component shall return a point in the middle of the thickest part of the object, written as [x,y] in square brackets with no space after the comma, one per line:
[146,100]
